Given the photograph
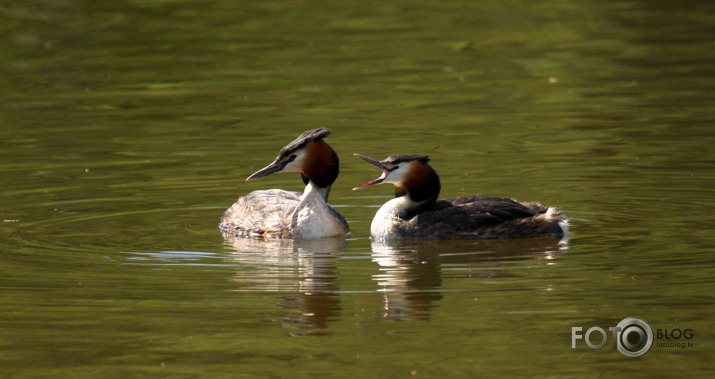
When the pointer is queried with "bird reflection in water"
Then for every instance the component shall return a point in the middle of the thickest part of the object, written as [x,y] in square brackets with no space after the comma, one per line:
[304,271]
[411,270]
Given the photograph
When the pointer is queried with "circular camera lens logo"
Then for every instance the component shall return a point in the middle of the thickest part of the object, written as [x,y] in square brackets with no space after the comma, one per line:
[634,338]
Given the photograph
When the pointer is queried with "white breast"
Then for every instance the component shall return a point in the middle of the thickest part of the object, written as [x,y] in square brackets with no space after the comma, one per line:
[314,218]
[387,219]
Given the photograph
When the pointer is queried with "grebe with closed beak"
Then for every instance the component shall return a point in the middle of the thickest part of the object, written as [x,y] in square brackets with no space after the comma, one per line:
[415,211]
[276,213]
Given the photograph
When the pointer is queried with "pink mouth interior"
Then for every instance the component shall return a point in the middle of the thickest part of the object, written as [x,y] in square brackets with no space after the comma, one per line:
[373,182]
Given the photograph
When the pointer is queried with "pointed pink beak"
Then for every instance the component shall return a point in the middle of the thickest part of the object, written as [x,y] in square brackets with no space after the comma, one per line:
[377,164]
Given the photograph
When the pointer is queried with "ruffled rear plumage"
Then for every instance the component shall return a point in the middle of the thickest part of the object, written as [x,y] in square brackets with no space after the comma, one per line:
[481,217]
[264,213]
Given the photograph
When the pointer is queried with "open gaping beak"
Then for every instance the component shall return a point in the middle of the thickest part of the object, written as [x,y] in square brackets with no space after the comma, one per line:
[271,168]
[377,164]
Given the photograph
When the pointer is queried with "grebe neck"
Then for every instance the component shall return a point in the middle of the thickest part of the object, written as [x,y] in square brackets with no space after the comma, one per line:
[419,188]
[321,165]
[314,192]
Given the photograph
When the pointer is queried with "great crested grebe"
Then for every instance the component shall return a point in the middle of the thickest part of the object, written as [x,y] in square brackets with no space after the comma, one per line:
[415,211]
[286,214]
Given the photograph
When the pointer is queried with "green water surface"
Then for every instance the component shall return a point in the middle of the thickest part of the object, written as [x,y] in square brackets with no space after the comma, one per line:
[128,127]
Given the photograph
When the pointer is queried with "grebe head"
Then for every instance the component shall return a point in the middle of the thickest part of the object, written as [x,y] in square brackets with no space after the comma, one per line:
[309,155]
[410,174]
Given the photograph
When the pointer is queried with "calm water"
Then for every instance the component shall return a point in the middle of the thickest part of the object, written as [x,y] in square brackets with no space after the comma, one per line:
[126,129]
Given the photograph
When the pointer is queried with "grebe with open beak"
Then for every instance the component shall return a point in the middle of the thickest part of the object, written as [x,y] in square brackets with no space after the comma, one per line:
[285,214]
[415,211]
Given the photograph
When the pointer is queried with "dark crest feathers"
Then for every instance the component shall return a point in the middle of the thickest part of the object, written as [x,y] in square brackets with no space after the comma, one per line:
[303,139]
[395,159]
